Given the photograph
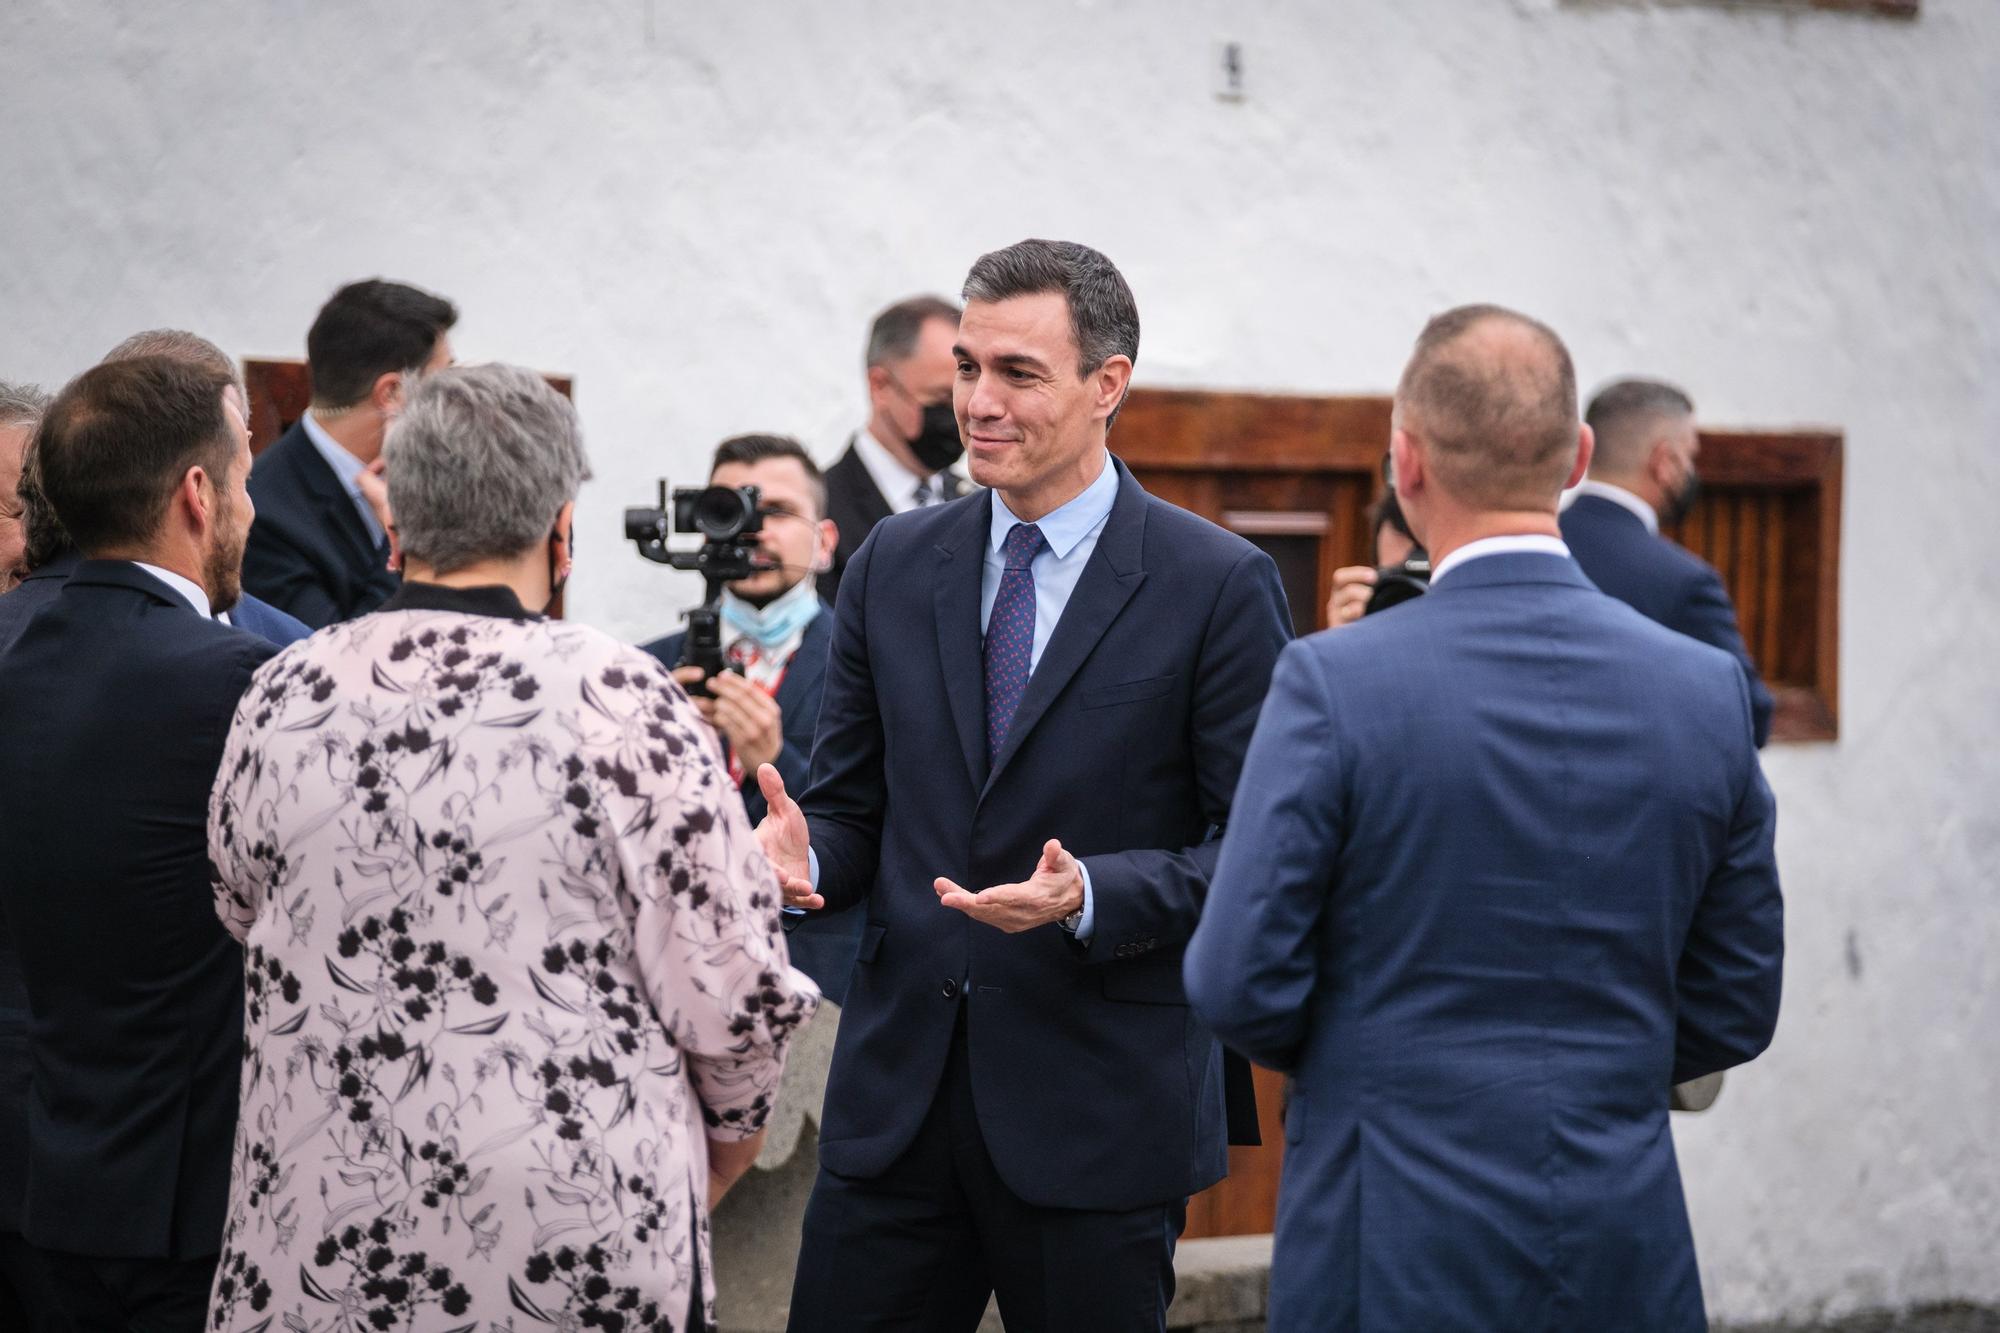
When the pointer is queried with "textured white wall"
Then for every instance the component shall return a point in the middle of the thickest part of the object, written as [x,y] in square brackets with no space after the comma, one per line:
[695,208]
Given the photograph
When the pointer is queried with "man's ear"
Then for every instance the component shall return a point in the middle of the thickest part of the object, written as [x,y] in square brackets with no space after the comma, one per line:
[829,540]
[1112,379]
[1586,449]
[198,498]
[1406,463]
[386,396]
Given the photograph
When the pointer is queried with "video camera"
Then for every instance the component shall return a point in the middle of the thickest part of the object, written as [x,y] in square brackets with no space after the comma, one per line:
[723,516]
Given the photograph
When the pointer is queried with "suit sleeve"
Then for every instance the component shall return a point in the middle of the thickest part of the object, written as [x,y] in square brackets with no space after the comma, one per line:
[1148,899]
[277,571]
[844,799]
[1708,614]
[1251,968]
[1732,964]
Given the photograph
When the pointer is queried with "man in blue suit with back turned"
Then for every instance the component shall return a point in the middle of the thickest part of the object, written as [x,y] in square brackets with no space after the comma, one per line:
[1642,475]
[1500,874]
[1035,712]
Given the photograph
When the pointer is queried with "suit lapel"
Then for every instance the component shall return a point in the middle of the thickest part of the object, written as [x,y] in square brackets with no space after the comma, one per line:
[1110,577]
[955,596]
[335,503]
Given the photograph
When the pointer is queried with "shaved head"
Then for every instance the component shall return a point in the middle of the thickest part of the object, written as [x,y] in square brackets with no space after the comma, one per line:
[1630,416]
[1491,393]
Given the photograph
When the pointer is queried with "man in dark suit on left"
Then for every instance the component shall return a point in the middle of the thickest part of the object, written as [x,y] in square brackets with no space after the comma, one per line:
[319,550]
[122,686]
[775,632]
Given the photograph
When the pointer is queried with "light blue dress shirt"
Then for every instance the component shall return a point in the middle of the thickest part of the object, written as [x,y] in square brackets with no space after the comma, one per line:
[348,469]
[1069,535]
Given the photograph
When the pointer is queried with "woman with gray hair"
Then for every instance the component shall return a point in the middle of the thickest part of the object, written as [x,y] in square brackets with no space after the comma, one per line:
[516,993]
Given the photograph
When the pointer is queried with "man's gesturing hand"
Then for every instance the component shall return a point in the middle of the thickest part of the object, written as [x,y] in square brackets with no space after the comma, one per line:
[1053,892]
[786,842]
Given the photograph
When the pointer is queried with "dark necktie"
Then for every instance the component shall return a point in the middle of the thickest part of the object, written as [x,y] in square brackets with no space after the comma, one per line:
[1010,634]
[923,495]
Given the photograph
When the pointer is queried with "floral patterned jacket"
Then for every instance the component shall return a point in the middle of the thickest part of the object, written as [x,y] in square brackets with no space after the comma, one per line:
[511,952]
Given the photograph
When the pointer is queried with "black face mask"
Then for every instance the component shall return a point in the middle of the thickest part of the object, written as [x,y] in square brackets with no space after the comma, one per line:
[1681,502]
[937,445]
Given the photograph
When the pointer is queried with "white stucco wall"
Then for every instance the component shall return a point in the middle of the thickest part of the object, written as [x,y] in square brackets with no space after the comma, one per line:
[695,207]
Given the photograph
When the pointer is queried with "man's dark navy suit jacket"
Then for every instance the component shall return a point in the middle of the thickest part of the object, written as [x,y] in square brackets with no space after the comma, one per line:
[309,552]
[1501,873]
[123,696]
[1662,581]
[822,944]
[36,591]
[1096,1087]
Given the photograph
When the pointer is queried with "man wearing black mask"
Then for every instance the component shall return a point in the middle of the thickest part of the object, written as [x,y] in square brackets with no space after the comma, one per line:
[901,459]
[1641,478]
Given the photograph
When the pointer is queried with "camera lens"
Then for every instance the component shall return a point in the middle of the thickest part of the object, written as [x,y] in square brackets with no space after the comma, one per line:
[720,511]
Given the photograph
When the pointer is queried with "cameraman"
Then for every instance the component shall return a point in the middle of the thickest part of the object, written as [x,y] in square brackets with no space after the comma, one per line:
[1353,585]
[775,632]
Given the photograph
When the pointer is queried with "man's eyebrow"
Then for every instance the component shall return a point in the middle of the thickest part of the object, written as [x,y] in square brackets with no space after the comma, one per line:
[1005,359]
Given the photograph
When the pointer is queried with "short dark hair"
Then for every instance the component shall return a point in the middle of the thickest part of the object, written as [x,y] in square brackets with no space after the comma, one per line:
[746,449]
[893,335]
[1103,317]
[1623,414]
[370,329]
[1501,423]
[118,439]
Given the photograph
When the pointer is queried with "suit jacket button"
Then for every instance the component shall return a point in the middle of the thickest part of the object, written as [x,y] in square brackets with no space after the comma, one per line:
[950,988]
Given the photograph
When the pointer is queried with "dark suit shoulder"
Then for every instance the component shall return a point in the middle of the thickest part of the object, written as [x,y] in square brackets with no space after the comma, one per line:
[1174,533]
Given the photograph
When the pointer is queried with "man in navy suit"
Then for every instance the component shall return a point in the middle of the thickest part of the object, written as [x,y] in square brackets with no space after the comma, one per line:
[1641,476]
[1035,713]
[775,632]
[319,550]
[1501,873]
[118,693]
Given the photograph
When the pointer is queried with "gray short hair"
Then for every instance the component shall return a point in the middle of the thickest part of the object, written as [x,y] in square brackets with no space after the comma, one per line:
[1626,416]
[893,335]
[479,461]
[21,404]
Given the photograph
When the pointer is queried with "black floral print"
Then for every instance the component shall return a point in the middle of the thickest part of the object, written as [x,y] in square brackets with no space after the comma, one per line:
[511,952]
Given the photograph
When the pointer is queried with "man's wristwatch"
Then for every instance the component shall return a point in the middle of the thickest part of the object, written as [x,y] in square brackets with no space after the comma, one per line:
[1072,921]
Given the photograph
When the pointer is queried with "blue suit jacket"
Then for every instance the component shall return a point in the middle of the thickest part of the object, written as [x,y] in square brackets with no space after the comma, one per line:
[1663,581]
[123,696]
[822,944]
[1500,874]
[1096,1087]
[309,553]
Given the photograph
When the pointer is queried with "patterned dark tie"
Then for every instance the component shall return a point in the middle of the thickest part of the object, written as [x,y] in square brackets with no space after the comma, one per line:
[923,495]
[1010,634]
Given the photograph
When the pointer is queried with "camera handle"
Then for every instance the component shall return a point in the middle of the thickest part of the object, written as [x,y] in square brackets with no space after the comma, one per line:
[703,645]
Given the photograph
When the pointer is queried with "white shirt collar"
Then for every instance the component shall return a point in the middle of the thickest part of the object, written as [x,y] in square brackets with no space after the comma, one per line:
[896,482]
[1619,496]
[1531,543]
[190,591]
[1069,523]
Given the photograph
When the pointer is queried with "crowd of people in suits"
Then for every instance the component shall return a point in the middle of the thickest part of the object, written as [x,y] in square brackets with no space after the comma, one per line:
[427,962]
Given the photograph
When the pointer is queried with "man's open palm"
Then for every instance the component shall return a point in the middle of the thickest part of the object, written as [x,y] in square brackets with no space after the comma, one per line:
[786,841]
